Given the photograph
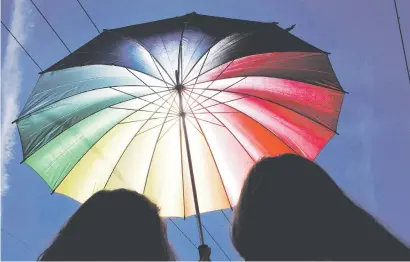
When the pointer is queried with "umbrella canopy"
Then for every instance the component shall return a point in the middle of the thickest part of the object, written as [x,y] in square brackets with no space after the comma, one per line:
[178,108]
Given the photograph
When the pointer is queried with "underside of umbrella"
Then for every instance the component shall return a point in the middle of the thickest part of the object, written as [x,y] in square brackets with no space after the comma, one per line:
[136,106]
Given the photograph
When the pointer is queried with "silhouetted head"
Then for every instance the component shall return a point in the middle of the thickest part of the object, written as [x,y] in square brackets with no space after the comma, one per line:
[112,225]
[290,209]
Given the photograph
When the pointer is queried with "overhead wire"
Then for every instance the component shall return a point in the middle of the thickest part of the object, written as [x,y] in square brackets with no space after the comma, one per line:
[26,246]
[180,230]
[85,11]
[8,30]
[229,221]
[52,28]
[402,41]
[209,233]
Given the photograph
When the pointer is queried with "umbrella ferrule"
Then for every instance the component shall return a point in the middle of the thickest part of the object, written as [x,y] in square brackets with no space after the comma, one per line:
[179,87]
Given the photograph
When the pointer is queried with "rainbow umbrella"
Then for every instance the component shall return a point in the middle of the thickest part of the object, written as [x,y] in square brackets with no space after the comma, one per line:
[179,110]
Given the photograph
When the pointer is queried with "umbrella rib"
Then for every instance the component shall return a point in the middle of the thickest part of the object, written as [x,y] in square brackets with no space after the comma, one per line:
[55,120]
[25,106]
[153,92]
[26,157]
[204,113]
[152,128]
[45,106]
[134,121]
[279,104]
[125,149]
[171,126]
[216,243]
[282,60]
[204,89]
[223,125]
[199,131]
[275,77]
[90,149]
[196,48]
[207,121]
[175,112]
[146,49]
[149,103]
[135,110]
[187,102]
[155,147]
[270,131]
[194,65]
[217,92]
[107,63]
[216,165]
[82,81]
[169,59]
[141,98]
[146,85]
[220,103]
[174,103]
[180,50]
[166,83]
[183,233]
[209,49]
[55,188]
[236,40]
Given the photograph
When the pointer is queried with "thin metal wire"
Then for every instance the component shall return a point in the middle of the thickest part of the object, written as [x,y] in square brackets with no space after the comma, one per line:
[26,246]
[226,217]
[68,49]
[85,11]
[216,243]
[190,241]
[402,41]
[21,46]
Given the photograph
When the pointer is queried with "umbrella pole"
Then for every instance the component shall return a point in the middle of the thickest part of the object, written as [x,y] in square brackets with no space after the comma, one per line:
[191,171]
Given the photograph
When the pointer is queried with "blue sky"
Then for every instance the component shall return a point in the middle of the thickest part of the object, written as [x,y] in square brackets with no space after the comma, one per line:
[369,159]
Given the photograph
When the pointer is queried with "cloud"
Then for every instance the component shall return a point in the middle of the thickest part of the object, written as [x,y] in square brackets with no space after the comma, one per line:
[11,78]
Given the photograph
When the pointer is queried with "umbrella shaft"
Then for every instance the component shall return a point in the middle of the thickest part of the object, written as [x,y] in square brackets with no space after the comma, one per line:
[191,171]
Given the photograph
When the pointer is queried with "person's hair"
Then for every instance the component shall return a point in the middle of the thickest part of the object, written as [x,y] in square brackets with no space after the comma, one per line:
[290,209]
[112,225]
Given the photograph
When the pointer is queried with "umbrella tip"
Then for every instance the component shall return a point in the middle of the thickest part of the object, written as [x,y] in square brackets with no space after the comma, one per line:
[290,28]
[191,14]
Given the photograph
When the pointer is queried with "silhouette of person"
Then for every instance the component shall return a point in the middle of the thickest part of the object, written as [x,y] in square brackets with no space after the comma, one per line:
[290,209]
[112,225]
